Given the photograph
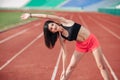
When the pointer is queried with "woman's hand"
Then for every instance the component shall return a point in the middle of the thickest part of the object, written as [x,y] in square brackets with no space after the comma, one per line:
[25,16]
[63,75]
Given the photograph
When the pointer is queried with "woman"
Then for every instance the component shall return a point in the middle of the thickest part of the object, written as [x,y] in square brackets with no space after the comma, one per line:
[67,29]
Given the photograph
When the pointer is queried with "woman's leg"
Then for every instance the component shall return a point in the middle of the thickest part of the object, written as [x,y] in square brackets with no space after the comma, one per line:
[98,55]
[74,60]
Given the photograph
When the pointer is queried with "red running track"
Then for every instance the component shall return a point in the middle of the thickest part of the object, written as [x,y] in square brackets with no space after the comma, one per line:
[23,55]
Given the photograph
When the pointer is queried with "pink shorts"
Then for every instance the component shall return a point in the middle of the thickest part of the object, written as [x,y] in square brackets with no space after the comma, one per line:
[87,45]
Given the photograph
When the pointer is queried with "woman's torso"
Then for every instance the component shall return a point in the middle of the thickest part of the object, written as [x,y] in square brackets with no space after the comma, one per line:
[81,35]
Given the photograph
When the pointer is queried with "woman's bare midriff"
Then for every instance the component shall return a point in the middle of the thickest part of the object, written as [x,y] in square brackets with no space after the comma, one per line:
[83,34]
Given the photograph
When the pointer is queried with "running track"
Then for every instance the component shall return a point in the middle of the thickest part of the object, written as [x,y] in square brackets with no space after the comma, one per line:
[23,55]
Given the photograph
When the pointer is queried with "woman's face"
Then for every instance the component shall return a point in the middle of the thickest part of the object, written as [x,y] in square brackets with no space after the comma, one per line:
[53,27]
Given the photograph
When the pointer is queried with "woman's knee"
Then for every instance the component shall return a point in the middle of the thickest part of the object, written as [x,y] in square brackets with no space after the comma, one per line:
[101,66]
[71,67]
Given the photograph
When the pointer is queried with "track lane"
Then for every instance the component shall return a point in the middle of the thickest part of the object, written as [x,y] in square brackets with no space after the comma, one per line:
[12,46]
[14,30]
[109,25]
[37,62]
[109,44]
[108,17]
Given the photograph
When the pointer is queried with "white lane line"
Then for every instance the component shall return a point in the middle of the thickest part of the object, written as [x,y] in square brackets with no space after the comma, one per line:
[108,30]
[18,33]
[106,61]
[12,36]
[37,24]
[80,17]
[21,51]
[110,68]
[110,22]
[56,66]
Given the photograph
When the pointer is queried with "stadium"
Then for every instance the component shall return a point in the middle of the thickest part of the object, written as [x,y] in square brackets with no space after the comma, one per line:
[23,54]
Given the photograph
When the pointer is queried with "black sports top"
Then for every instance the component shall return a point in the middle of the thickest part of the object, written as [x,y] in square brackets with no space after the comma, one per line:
[72,31]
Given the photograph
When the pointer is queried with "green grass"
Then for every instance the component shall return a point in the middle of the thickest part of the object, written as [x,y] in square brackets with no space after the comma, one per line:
[10,19]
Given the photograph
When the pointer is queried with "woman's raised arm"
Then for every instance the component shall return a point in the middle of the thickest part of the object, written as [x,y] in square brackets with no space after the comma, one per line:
[47,16]
[64,57]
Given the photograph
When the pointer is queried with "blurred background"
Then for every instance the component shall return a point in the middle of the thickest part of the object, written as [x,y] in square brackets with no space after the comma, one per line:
[108,6]
[34,63]
[105,6]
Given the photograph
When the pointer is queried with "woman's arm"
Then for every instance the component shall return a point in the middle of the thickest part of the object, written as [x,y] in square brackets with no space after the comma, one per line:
[64,56]
[47,16]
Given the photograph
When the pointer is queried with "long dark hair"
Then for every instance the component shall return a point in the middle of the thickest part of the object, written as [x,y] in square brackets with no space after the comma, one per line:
[50,38]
